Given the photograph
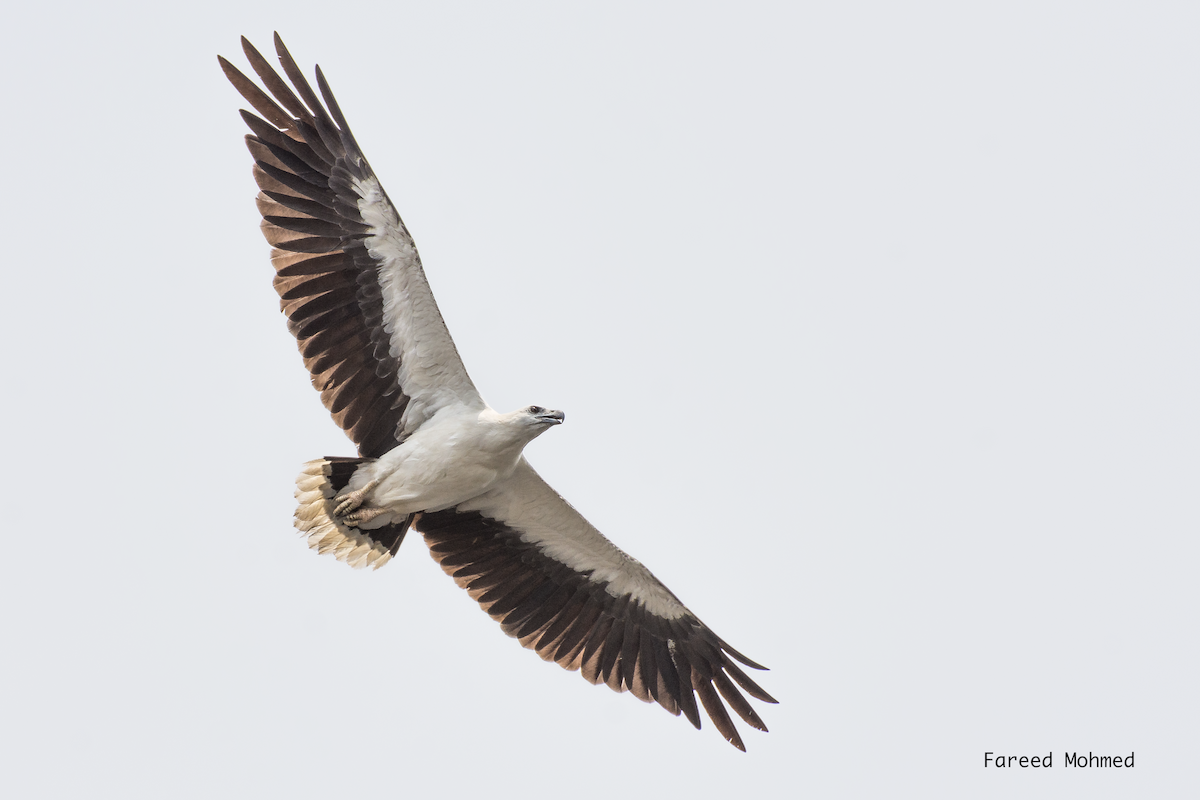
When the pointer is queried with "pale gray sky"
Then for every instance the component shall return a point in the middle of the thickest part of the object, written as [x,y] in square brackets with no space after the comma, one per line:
[876,329]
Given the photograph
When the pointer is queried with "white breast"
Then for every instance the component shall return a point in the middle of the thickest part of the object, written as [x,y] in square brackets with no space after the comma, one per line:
[457,455]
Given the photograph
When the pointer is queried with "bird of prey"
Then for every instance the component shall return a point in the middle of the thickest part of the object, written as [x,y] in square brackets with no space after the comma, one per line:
[432,455]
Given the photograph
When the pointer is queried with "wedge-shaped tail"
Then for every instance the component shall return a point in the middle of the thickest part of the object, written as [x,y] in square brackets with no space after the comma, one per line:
[318,484]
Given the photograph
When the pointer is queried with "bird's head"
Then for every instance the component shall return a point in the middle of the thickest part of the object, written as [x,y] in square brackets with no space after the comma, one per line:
[522,426]
[541,418]
[532,421]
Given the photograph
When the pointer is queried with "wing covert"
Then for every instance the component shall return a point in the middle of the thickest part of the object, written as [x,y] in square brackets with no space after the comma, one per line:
[347,272]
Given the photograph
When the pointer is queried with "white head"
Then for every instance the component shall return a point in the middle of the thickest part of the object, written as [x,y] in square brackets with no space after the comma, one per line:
[532,421]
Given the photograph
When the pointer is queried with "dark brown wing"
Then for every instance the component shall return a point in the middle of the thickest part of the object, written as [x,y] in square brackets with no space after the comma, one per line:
[347,272]
[556,584]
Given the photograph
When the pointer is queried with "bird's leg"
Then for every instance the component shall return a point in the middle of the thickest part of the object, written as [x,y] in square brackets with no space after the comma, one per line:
[363,514]
[351,501]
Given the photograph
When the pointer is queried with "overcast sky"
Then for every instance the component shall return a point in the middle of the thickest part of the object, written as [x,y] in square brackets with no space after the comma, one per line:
[876,329]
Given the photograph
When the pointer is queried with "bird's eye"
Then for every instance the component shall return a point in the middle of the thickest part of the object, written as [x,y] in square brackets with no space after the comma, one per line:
[536,409]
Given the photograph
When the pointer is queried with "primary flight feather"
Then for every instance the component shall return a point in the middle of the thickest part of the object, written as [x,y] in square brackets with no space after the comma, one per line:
[433,455]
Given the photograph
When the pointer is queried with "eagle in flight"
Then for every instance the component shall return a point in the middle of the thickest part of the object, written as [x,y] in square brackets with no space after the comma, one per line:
[432,455]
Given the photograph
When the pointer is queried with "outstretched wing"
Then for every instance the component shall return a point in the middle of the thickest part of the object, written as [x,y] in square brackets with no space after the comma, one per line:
[556,584]
[347,272]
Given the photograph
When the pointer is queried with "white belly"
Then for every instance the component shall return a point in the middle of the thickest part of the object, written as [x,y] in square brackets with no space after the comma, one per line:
[449,460]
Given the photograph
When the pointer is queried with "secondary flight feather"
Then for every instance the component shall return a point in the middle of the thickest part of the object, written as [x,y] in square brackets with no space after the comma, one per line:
[432,455]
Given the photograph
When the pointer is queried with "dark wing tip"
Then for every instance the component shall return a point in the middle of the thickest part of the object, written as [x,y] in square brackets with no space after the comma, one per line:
[234,74]
[338,117]
[751,664]
[717,713]
[744,680]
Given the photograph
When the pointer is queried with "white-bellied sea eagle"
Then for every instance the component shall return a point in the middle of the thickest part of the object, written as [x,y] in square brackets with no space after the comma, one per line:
[432,454]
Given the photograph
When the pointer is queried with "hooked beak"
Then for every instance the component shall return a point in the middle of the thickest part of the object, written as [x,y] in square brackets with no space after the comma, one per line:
[552,417]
